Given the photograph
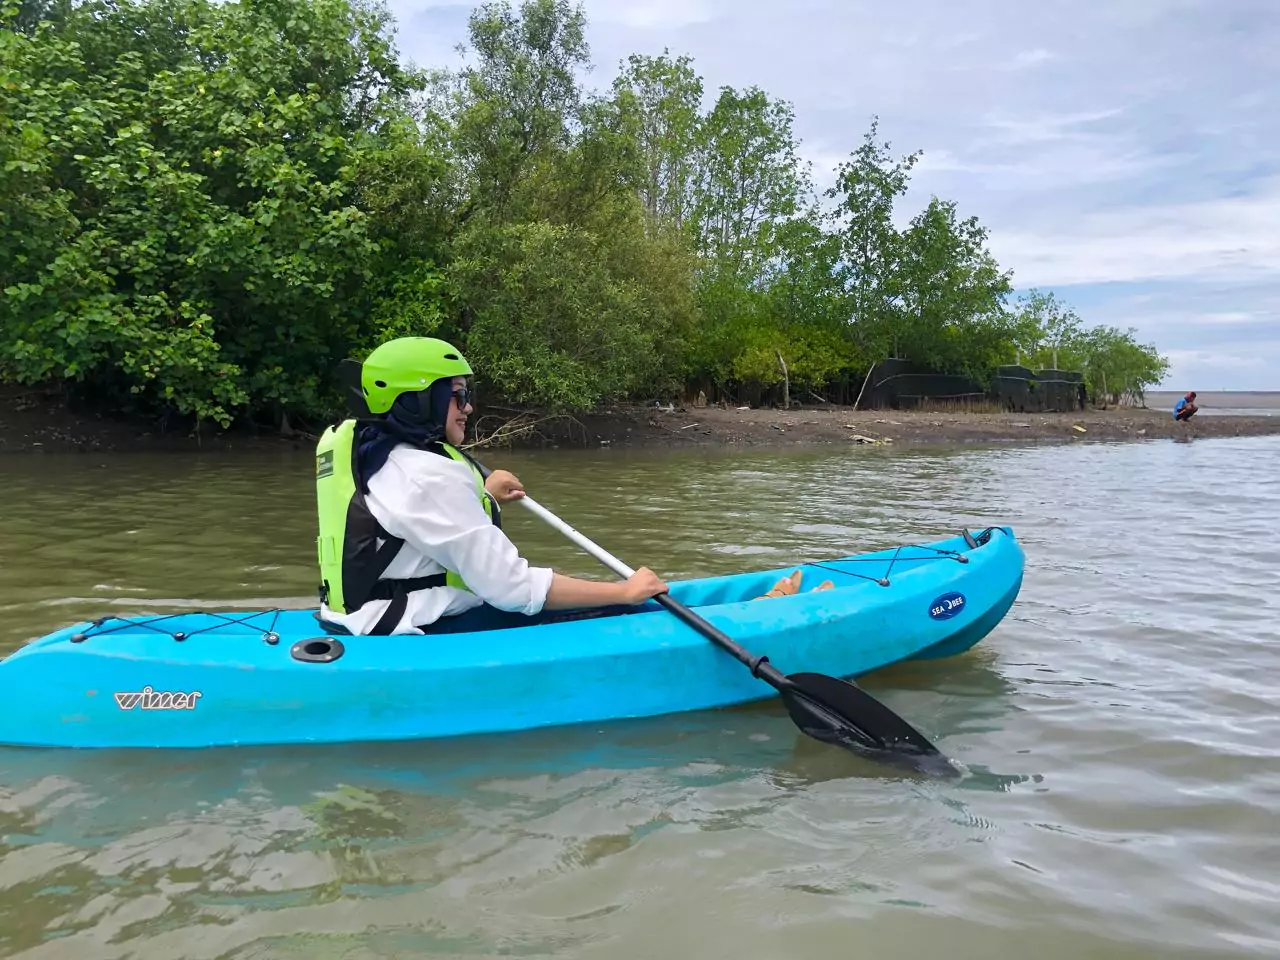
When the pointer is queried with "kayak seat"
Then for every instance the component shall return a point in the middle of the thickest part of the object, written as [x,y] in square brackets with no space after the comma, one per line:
[331,628]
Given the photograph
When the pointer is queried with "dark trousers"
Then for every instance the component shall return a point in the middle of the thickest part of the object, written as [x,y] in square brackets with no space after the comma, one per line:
[486,617]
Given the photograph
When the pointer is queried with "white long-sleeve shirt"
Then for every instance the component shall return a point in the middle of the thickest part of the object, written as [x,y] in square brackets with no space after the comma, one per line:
[430,502]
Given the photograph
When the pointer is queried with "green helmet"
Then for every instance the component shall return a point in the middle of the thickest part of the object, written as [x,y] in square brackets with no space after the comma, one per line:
[407,365]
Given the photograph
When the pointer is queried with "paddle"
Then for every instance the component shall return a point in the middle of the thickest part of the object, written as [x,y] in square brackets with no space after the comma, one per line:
[830,710]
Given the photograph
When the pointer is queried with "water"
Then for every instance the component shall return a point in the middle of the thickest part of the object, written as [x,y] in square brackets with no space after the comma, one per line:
[1121,730]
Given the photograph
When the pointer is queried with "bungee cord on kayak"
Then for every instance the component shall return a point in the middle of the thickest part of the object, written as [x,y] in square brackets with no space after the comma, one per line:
[883,580]
[268,634]
[222,620]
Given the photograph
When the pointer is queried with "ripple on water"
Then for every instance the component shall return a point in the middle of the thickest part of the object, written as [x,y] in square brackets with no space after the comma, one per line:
[1119,732]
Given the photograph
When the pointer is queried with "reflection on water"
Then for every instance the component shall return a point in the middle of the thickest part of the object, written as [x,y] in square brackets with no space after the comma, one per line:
[1118,731]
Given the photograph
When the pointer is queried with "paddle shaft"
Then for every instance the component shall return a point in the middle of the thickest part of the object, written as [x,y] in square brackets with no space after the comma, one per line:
[760,667]
[828,709]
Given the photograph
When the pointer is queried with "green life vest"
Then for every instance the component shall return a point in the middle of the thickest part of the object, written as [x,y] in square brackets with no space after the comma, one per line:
[353,548]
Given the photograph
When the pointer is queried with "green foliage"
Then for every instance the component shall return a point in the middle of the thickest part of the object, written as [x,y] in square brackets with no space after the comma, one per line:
[748,181]
[514,108]
[952,294]
[556,320]
[1044,326]
[799,314]
[657,100]
[867,188]
[562,297]
[204,205]
[186,169]
[1116,365]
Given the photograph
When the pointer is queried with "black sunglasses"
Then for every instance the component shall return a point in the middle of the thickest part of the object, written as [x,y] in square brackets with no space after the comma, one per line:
[464,396]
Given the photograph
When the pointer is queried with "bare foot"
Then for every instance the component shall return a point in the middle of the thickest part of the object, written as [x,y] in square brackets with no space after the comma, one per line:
[785,587]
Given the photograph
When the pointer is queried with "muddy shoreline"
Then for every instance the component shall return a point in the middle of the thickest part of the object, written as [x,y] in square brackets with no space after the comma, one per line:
[841,426]
[33,423]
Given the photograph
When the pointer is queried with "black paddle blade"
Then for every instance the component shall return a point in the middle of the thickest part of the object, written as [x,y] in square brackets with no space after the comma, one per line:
[840,713]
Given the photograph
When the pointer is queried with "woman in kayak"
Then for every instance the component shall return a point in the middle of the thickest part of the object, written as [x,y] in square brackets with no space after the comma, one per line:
[410,537]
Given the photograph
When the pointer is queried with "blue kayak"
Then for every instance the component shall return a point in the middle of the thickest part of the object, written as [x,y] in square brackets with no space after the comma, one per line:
[205,679]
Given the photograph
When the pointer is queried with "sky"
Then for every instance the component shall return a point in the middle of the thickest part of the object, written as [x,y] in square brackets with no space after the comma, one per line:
[1124,154]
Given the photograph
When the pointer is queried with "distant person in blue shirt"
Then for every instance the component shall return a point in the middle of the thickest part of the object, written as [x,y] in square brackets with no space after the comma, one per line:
[1185,408]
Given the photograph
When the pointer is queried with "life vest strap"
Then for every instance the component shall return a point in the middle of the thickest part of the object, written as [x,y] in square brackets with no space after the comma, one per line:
[387,589]
[397,591]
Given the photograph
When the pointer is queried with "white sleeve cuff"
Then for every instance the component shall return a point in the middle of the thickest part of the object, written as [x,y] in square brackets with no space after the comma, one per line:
[539,586]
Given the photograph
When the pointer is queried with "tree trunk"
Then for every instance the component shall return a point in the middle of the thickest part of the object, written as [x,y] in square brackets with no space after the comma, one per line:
[786,382]
[864,386]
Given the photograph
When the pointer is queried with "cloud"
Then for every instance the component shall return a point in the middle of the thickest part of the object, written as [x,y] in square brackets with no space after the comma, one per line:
[1049,128]
[1234,239]
[1233,319]
[1231,323]
[1029,58]
[1217,358]
[651,14]
[1216,369]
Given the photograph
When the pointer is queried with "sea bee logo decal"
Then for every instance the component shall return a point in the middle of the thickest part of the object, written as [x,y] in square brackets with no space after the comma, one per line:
[946,606]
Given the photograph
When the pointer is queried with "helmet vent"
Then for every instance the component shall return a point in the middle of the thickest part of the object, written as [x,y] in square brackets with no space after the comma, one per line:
[451,356]
[380,383]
